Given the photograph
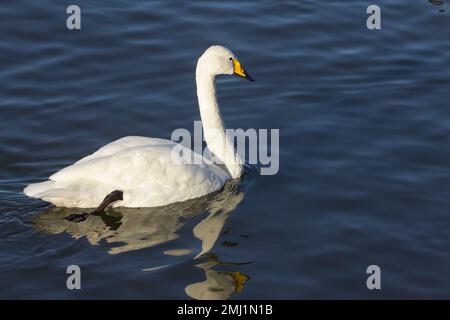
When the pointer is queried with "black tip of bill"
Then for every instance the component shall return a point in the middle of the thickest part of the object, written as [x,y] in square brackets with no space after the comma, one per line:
[249,77]
[246,76]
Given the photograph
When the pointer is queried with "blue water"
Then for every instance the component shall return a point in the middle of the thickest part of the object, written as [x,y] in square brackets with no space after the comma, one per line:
[364,121]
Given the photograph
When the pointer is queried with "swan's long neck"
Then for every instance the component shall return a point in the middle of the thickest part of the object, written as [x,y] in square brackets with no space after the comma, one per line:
[213,126]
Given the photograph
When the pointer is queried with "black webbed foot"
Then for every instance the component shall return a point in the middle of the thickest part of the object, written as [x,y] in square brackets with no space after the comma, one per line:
[114,196]
[77,217]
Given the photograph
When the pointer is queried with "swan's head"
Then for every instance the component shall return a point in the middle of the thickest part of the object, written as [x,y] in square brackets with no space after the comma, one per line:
[217,60]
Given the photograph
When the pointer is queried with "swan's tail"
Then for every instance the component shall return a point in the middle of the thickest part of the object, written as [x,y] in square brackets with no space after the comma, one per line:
[36,190]
[51,191]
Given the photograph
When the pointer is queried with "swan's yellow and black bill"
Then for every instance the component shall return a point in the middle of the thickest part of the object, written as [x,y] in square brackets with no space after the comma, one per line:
[240,72]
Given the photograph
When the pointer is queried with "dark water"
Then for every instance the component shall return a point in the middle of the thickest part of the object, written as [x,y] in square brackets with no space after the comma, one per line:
[364,121]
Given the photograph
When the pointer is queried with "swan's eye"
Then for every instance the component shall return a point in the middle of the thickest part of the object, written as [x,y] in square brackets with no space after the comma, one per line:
[231,59]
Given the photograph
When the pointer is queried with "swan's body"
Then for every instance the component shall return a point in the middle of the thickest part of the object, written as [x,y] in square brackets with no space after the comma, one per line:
[143,168]
[140,167]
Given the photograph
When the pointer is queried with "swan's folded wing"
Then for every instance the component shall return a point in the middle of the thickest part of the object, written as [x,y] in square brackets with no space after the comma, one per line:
[146,174]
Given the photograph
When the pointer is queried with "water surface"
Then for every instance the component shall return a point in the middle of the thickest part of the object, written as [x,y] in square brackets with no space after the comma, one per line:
[364,148]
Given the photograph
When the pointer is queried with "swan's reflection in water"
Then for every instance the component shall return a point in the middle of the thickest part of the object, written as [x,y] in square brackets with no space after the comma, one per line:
[218,285]
[128,229]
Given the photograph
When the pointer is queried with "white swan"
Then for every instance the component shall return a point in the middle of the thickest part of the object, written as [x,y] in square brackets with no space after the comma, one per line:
[140,171]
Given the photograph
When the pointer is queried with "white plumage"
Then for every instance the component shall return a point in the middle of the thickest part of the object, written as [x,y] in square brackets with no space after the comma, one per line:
[139,167]
[143,168]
